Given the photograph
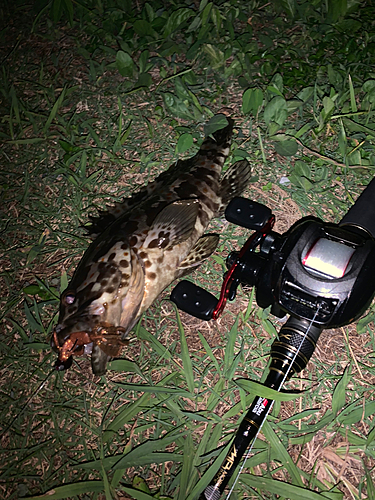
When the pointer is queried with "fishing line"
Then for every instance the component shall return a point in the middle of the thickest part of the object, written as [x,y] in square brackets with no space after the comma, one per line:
[270,408]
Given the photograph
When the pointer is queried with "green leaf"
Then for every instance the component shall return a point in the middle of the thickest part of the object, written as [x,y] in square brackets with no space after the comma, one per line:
[143,28]
[339,394]
[123,365]
[369,86]
[187,467]
[37,346]
[20,142]
[328,105]
[176,106]
[185,141]
[20,330]
[69,10]
[301,182]
[276,111]
[336,9]
[140,484]
[215,395]
[176,18]
[370,437]
[68,148]
[143,63]
[215,55]
[71,490]
[32,322]
[353,103]
[290,7]
[208,351]
[63,281]
[252,99]
[287,490]
[137,494]
[125,415]
[301,175]
[155,389]
[286,148]
[305,94]
[124,63]
[141,457]
[215,123]
[283,455]
[54,110]
[31,290]
[342,139]
[277,82]
[370,485]
[107,487]
[207,477]
[45,292]
[125,134]
[261,390]
[229,348]
[162,350]
[301,168]
[56,10]
[363,322]
[144,80]
[356,412]
[185,355]
[146,453]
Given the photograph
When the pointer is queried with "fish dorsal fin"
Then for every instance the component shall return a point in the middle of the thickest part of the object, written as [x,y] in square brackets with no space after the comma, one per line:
[234,182]
[100,223]
[215,146]
[204,247]
[173,224]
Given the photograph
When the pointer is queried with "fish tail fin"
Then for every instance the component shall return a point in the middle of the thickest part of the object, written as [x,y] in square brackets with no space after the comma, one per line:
[219,140]
[234,183]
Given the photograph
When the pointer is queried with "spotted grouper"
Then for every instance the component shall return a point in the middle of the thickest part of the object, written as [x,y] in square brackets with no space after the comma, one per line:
[141,245]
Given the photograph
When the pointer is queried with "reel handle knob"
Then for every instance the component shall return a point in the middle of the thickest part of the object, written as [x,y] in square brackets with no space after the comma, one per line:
[194,300]
[248,213]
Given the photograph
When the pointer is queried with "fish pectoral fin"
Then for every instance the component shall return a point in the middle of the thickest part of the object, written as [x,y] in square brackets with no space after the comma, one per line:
[132,301]
[203,248]
[173,225]
[234,183]
[99,360]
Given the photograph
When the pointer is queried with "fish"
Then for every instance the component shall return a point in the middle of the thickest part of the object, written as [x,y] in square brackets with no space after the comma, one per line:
[140,246]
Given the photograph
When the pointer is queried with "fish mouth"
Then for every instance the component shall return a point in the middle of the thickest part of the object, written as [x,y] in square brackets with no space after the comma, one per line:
[79,343]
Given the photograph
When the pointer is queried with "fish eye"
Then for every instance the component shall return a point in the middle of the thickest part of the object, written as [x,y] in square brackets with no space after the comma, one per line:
[69,298]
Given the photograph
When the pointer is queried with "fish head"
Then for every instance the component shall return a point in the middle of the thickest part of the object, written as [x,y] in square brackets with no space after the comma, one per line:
[99,308]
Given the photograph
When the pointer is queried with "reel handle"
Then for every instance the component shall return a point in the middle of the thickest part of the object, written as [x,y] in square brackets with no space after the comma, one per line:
[248,213]
[194,300]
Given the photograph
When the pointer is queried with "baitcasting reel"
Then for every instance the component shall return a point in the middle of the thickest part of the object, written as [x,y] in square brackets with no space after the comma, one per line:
[321,274]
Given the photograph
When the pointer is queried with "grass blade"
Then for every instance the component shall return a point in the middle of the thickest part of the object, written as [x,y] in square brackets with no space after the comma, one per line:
[71,490]
[185,355]
[287,490]
[284,456]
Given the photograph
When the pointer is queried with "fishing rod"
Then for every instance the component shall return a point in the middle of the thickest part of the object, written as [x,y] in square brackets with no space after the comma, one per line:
[321,274]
